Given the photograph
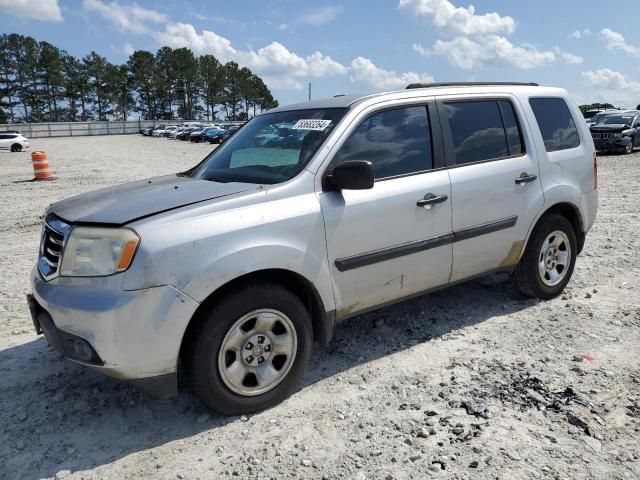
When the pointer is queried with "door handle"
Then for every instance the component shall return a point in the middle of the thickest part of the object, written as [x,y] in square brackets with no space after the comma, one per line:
[525,178]
[430,199]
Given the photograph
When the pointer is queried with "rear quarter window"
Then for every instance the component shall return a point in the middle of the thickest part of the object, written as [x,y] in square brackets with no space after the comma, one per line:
[556,123]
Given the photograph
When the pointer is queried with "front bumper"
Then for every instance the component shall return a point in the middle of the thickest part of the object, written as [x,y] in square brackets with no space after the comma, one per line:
[612,144]
[135,335]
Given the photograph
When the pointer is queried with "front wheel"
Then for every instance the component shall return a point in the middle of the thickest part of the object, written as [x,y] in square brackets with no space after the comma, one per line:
[548,261]
[16,147]
[250,349]
[629,148]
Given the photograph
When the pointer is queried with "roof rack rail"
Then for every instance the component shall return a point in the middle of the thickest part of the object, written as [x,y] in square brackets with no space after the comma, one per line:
[469,84]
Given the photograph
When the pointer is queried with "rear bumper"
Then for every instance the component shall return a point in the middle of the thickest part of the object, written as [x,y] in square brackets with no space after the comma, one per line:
[135,336]
[589,209]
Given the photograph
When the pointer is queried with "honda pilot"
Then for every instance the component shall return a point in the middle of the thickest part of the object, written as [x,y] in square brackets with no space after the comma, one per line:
[233,268]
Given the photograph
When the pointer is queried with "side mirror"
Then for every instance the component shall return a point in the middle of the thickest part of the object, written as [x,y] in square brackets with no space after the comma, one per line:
[351,175]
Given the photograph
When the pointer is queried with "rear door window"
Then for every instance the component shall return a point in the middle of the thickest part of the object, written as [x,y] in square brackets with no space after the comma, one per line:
[556,124]
[483,130]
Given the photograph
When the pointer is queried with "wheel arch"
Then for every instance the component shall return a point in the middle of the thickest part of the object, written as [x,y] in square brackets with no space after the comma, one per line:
[322,320]
[569,211]
[572,213]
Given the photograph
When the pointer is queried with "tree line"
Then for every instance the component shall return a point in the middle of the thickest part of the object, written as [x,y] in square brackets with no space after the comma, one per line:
[42,83]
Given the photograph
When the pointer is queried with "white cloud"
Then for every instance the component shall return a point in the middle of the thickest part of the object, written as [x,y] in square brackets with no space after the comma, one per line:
[128,49]
[611,80]
[283,26]
[580,33]
[179,35]
[453,20]
[478,41]
[363,70]
[128,18]
[613,87]
[567,57]
[275,58]
[492,50]
[321,15]
[616,41]
[45,10]
[420,49]
[280,67]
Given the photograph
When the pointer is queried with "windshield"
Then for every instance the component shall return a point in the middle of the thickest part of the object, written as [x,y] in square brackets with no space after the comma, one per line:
[615,120]
[271,148]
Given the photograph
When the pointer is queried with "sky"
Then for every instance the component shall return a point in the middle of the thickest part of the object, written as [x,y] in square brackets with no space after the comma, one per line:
[589,47]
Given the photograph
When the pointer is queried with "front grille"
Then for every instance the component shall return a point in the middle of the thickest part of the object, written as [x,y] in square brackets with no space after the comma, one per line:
[54,234]
[601,135]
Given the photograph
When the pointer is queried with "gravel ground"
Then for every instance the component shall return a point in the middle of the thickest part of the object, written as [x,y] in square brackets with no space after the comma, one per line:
[471,382]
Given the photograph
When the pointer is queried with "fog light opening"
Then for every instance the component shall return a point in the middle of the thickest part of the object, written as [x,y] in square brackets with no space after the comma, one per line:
[81,350]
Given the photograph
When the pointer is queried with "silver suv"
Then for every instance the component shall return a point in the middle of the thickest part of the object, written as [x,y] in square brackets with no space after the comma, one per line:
[310,214]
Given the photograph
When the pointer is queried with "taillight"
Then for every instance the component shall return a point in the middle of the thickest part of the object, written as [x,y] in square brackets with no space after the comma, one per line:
[595,171]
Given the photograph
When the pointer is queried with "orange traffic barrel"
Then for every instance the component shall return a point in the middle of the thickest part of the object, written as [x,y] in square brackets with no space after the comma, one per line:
[41,168]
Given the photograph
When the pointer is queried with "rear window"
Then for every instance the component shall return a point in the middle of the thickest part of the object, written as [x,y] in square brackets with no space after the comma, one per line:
[483,130]
[556,124]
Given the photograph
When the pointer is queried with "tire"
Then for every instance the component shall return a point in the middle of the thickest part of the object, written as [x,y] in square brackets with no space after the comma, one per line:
[16,147]
[629,149]
[213,367]
[539,256]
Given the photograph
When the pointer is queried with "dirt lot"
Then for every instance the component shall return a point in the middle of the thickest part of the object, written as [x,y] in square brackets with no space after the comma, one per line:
[471,382]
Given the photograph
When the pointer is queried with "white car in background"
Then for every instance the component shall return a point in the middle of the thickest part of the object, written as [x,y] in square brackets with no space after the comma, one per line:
[13,141]
[159,132]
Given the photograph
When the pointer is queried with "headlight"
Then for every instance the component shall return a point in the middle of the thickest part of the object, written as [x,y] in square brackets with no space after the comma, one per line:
[98,251]
[617,135]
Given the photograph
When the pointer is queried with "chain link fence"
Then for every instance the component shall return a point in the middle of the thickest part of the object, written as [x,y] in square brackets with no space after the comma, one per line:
[76,129]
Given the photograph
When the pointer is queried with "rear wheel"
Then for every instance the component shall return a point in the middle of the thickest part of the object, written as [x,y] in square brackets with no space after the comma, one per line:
[250,350]
[548,261]
[16,147]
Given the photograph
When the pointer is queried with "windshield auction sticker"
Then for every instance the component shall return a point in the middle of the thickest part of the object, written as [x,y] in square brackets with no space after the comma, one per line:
[318,125]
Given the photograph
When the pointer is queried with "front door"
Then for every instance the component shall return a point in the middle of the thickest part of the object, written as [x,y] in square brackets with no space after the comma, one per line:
[388,242]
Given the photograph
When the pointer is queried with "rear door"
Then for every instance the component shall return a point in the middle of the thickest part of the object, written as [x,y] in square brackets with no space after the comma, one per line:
[495,184]
[382,243]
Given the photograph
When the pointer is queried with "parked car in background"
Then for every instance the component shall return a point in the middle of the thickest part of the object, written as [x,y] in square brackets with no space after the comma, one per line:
[155,130]
[234,267]
[14,141]
[174,133]
[597,116]
[159,132]
[197,134]
[184,134]
[170,129]
[214,134]
[617,131]
[230,131]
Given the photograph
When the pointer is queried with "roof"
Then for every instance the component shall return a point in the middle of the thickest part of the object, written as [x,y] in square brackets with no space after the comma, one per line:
[339,101]
[420,90]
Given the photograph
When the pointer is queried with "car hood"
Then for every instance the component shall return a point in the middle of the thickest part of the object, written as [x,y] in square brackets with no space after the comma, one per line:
[125,203]
[609,127]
